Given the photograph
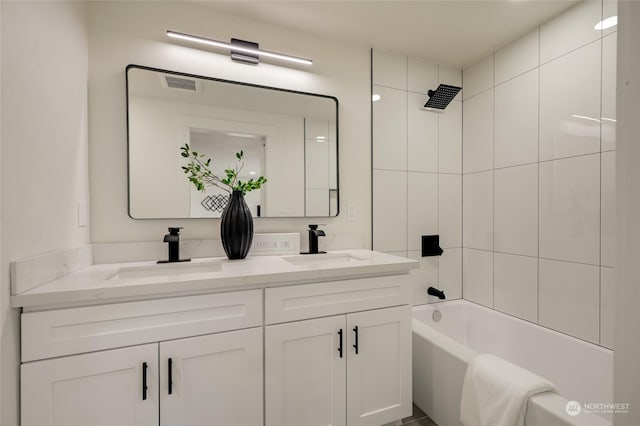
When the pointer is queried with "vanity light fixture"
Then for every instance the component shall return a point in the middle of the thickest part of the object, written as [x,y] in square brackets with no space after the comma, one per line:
[239,46]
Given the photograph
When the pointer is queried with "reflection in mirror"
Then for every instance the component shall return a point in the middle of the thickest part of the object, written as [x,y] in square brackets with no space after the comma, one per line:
[288,137]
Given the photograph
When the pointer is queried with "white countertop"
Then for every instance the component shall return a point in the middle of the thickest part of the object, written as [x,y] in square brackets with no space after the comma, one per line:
[108,283]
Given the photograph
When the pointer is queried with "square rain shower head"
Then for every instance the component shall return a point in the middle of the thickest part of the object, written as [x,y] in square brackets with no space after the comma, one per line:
[440,98]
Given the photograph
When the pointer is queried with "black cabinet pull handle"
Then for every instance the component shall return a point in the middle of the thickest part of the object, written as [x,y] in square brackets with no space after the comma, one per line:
[340,347]
[355,346]
[170,365]
[144,381]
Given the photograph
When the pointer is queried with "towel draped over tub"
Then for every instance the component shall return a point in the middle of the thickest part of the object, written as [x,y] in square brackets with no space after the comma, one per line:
[495,392]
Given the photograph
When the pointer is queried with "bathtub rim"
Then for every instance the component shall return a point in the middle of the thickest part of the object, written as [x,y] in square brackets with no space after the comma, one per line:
[546,404]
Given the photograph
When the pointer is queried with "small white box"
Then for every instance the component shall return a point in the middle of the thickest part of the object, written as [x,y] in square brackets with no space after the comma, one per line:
[275,244]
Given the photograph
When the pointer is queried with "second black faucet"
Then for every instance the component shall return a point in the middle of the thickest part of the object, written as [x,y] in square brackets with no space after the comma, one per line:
[314,233]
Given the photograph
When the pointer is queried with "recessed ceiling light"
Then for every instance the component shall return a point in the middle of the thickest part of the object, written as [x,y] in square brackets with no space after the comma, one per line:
[252,173]
[241,135]
[611,21]
[375,97]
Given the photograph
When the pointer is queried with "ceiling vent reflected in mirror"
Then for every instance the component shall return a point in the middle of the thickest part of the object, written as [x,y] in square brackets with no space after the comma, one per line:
[173,82]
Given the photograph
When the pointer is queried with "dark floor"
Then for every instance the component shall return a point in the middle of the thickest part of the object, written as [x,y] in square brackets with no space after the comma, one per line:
[417,419]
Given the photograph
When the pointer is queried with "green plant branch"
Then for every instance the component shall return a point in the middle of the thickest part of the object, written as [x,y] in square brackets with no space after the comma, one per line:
[199,173]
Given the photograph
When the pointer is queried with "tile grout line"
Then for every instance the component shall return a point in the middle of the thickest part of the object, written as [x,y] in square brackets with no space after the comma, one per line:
[462,189]
[538,131]
[406,152]
[438,181]
[600,182]
[371,144]
[493,184]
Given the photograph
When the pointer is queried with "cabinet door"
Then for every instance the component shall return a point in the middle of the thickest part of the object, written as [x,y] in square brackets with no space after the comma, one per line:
[95,389]
[214,380]
[305,373]
[379,374]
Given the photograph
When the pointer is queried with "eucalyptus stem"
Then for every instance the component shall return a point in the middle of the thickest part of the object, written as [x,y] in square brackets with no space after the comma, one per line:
[199,173]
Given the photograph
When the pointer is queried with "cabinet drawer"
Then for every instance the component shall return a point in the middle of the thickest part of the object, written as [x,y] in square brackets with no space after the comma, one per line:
[67,331]
[337,297]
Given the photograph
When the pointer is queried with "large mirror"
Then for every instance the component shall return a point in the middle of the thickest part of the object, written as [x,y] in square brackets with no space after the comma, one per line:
[290,138]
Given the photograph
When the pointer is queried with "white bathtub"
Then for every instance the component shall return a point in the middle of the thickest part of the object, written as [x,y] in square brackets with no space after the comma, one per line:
[582,371]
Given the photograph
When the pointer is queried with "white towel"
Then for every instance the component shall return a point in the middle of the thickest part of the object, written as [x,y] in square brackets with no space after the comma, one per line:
[495,392]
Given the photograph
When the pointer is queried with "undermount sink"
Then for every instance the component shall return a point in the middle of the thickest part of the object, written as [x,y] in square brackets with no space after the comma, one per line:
[166,269]
[322,259]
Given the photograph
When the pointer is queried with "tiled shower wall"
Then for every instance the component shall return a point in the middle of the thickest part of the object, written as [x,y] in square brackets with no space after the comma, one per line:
[539,176]
[417,169]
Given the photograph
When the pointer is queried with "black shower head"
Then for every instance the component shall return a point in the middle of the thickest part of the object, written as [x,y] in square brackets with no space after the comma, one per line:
[440,98]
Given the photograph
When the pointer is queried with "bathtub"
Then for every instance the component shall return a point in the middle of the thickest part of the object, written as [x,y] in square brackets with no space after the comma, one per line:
[581,371]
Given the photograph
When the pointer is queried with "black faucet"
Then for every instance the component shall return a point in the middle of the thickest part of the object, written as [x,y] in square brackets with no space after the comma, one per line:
[173,238]
[314,233]
[435,292]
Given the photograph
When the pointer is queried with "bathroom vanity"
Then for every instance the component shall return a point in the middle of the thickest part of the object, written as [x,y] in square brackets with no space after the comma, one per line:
[269,340]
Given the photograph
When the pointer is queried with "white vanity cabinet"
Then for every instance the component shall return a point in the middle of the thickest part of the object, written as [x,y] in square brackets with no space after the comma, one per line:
[259,342]
[210,377]
[305,382]
[216,377]
[97,389]
[350,369]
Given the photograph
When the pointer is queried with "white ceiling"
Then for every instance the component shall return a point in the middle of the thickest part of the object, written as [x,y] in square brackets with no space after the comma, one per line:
[453,32]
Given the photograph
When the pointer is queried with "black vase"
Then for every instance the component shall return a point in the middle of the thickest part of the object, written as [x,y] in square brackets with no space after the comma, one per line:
[236,228]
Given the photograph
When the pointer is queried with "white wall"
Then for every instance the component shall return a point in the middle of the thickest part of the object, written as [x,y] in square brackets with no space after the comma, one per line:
[539,159]
[122,33]
[417,169]
[44,149]
[159,188]
[627,335]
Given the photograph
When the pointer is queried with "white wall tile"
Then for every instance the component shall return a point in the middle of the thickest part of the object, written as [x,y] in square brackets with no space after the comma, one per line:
[516,210]
[477,133]
[333,164]
[317,164]
[389,69]
[389,210]
[609,8]
[450,273]
[424,277]
[450,210]
[452,77]
[422,141]
[516,285]
[607,306]
[570,104]
[422,76]
[572,29]
[316,202]
[478,77]
[518,57]
[477,276]
[477,213]
[314,129]
[570,209]
[569,298]
[390,129]
[333,203]
[422,207]
[516,121]
[608,209]
[450,138]
[609,57]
